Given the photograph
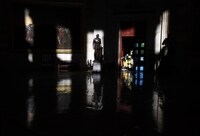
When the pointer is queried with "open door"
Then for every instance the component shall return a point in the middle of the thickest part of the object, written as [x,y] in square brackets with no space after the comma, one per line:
[132,44]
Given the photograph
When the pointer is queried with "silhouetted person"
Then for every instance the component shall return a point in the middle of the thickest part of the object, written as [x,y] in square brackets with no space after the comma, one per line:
[97,48]
[168,42]
[167,52]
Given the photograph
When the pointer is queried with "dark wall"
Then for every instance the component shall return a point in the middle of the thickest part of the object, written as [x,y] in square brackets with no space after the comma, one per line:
[107,15]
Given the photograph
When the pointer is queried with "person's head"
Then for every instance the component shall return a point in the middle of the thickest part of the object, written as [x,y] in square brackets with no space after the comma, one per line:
[97,35]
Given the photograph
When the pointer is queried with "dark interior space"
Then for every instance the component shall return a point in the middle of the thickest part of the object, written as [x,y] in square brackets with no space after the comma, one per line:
[128,44]
[49,83]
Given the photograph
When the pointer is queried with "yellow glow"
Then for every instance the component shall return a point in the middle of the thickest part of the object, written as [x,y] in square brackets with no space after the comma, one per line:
[65,51]
[30,104]
[63,89]
[64,86]
[28,19]
[28,36]
[94,92]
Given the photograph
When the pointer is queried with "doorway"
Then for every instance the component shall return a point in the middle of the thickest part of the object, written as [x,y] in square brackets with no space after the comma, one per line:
[132,44]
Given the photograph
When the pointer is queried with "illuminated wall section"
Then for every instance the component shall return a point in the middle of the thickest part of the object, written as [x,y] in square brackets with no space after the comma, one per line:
[64,43]
[30,103]
[161,31]
[160,34]
[157,39]
[29,33]
[157,109]
[90,50]
[165,26]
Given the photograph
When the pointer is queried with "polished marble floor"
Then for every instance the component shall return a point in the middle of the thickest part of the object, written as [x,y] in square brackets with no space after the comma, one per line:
[119,103]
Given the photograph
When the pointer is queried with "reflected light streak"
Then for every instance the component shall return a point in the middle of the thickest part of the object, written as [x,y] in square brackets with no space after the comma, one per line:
[63,94]
[30,83]
[30,57]
[30,110]
[30,104]
[125,90]
[157,111]
[94,96]
[165,23]
[64,86]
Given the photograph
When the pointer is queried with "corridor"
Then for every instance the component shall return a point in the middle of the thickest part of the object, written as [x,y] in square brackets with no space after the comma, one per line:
[118,103]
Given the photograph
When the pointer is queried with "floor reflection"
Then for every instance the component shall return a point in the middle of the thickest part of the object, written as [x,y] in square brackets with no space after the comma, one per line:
[52,108]
[94,93]
[159,100]
[63,94]
[30,104]
[125,91]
